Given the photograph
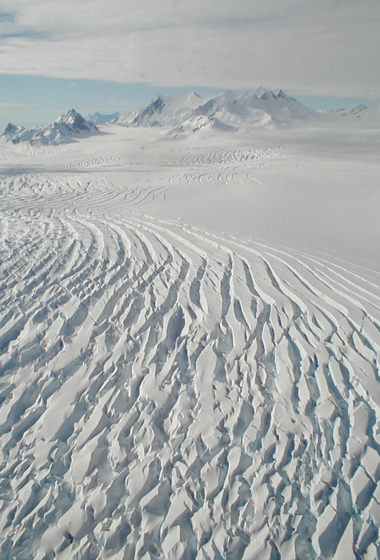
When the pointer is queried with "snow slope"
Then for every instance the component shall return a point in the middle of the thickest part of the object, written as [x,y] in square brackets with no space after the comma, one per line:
[190,346]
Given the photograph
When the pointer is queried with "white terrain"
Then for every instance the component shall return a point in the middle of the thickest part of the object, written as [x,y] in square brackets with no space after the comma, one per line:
[190,334]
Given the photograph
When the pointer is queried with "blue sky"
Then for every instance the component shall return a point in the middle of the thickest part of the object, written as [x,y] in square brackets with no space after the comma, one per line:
[30,100]
[116,55]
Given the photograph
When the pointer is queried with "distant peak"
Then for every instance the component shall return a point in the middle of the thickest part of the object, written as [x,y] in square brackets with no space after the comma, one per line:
[72,114]
[191,97]
[10,128]
[155,108]
[261,93]
[157,99]
[100,118]
[158,103]
[73,117]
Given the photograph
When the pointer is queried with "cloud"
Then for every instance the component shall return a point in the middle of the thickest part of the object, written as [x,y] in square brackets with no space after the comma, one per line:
[329,47]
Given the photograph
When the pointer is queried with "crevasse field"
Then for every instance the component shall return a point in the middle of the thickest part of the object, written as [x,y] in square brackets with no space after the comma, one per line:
[189,337]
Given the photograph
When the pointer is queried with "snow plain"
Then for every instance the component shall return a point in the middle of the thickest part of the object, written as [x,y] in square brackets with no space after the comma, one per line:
[189,336]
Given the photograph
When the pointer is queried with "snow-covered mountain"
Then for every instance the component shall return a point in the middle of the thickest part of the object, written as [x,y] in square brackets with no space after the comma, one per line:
[356,111]
[163,111]
[370,114]
[225,111]
[66,129]
[99,118]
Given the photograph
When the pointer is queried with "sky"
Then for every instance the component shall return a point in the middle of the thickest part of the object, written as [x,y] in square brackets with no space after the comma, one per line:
[116,55]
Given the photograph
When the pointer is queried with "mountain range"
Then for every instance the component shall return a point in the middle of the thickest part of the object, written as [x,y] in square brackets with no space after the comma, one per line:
[65,129]
[181,114]
[369,114]
[228,111]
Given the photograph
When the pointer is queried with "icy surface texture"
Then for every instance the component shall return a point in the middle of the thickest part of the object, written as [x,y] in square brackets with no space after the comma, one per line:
[170,394]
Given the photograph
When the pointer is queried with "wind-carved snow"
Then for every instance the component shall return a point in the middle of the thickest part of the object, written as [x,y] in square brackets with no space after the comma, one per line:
[167,391]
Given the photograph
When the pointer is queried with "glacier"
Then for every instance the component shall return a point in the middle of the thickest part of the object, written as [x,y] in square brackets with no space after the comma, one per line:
[190,335]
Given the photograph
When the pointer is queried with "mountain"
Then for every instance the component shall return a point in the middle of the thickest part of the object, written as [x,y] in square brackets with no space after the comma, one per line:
[66,129]
[163,111]
[278,105]
[126,119]
[369,114]
[227,111]
[99,118]
[356,111]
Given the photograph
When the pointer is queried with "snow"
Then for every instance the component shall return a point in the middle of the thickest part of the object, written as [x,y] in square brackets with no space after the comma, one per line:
[190,337]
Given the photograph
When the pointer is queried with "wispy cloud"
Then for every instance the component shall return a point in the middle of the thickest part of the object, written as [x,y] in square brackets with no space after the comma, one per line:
[329,47]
